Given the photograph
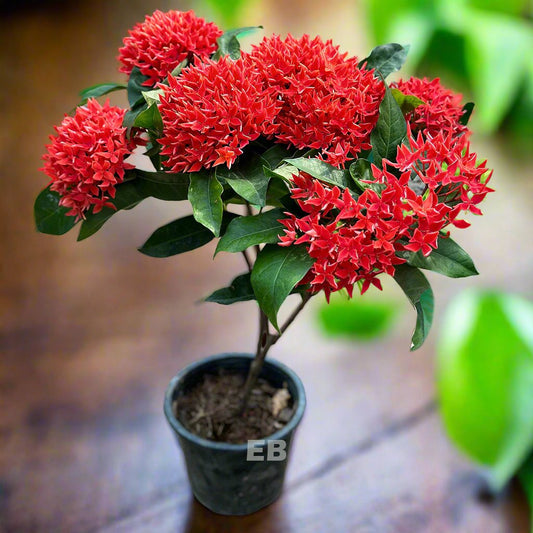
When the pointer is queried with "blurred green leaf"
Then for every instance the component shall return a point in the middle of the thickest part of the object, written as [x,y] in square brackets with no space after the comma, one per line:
[358,318]
[485,379]
[497,63]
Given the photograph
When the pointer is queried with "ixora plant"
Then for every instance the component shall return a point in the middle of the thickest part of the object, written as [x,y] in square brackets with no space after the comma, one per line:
[299,157]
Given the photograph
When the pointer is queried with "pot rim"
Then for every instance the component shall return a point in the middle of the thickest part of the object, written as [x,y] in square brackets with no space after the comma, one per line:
[278,435]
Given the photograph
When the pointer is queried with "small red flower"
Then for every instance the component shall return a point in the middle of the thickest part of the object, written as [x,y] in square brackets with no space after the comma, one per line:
[211,112]
[86,158]
[328,103]
[440,112]
[160,43]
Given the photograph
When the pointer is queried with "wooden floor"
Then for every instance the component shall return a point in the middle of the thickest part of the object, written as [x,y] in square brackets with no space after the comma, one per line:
[92,332]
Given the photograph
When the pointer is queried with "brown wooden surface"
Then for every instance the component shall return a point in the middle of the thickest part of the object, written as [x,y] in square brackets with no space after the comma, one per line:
[91,333]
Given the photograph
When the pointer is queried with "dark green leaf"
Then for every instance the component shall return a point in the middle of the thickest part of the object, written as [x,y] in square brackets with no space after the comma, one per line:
[277,189]
[100,89]
[240,290]
[386,58]
[467,112]
[163,185]
[485,379]
[407,102]
[361,171]
[244,232]
[448,259]
[127,196]
[50,217]
[525,475]
[136,87]
[177,237]
[248,180]
[205,193]
[228,43]
[389,131]
[276,271]
[275,155]
[150,119]
[322,171]
[416,287]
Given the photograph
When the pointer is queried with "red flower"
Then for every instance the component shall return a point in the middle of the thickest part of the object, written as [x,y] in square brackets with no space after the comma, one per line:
[86,158]
[442,108]
[445,164]
[328,103]
[355,239]
[160,43]
[211,112]
[351,239]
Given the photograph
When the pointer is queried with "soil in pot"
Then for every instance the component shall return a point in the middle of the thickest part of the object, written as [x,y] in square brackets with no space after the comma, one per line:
[211,409]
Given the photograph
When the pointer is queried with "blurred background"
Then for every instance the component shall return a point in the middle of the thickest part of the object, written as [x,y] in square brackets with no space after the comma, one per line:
[91,332]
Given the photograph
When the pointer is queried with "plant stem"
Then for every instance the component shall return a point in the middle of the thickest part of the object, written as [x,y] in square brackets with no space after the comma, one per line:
[265,341]
[247,259]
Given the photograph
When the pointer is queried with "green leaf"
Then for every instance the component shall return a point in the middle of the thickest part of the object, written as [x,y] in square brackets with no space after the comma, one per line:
[361,172]
[205,193]
[228,44]
[275,273]
[136,87]
[244,232]
[50,217]
[386,58]
[153,97]
[417,289]
[496,63]
[248,180]
[467,113]
[322,171]
[240,290]
[485,379]
[407,102]
[177,237]
[127,196]
[99,90]
[150,119]
[389,131]
[162,185]
[357,318]
[448,259]
[525,475]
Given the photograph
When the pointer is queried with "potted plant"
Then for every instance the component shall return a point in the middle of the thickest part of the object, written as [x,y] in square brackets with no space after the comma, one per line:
[295,155]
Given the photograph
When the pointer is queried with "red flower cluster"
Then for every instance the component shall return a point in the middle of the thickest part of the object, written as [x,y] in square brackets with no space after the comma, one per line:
[160,43]
[357,239]
[328,103]
[86,158]
[211,112]
[442,108]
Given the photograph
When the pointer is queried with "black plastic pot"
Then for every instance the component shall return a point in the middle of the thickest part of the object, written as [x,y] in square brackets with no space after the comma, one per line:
[222,476]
